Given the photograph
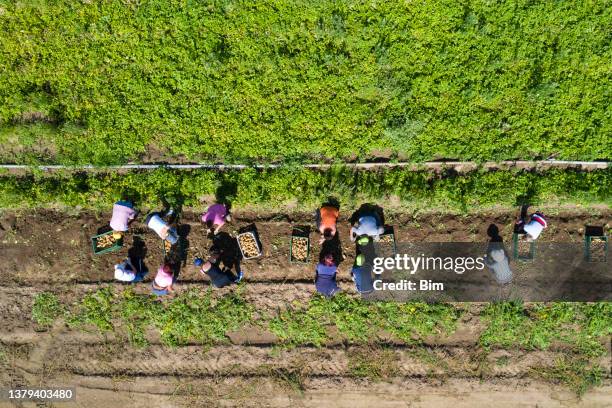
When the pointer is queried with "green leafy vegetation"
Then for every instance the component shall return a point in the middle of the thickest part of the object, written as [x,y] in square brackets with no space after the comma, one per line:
[105,82]
[577,373]
[190,317]
[361,322]
[576,325]
[95,309]
[46,309]
[373,363]
[193,317]
[197,316]
[253,187]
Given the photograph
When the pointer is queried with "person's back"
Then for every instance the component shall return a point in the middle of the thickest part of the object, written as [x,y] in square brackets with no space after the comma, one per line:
[329,217]
[367,225]
[215,217]
[497,260]
[161,228]
[218,277]
[535,226]
[325,281]
[123,213]
[362,275]
[125,271]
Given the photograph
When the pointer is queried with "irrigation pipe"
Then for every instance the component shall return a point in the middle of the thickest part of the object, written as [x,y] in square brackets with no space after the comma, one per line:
[456,165]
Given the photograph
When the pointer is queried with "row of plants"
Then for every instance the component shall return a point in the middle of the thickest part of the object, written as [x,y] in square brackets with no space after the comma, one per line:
[198,316]
[252,187]
[232,80]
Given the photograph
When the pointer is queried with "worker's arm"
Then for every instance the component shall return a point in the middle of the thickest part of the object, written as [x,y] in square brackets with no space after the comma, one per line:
[217,229]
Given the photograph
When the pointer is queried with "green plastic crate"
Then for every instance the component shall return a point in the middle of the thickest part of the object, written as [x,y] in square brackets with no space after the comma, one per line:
[515,249]
[589,256]
[298,233]
[98,251]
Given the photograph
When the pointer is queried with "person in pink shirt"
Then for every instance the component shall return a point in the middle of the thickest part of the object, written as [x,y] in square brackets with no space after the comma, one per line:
[123,214]
[215,216]
[164,280]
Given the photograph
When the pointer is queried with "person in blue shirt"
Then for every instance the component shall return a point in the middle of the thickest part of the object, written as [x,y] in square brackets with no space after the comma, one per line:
[325,279]
[362,275]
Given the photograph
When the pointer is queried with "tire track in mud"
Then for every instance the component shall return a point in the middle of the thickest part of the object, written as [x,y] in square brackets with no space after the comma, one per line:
[247,361]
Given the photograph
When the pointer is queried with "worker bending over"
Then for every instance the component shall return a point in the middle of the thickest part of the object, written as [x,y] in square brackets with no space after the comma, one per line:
[215,217]
[368,224]
[362,275]
[325,278]
[123,214]
[326,218]
[164,280]
[532,229]
[161,227]
[218,277]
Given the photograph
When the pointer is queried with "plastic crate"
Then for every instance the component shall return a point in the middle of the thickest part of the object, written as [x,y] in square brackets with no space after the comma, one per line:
[98,251]
[259,252]
[589,254]
[301,234]
[515,249]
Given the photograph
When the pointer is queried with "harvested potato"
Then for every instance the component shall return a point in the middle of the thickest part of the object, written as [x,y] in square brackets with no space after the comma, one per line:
[598,250]
[249,246]
[299,249]
[106,241]
[524,249]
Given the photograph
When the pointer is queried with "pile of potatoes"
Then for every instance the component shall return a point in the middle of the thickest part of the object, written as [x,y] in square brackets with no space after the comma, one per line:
[598,250]
[299,249]
[106,241]
[248,244]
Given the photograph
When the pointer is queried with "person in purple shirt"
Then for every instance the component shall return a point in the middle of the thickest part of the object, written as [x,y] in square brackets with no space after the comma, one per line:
[123,214]
[325,279]
[215,216]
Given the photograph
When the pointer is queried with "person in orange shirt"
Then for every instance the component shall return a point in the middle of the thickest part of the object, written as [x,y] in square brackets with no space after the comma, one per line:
[326,219]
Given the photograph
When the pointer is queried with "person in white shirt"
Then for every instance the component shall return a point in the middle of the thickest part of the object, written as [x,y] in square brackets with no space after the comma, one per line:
[369,225]
[161,227]
[532,229]
[127,272]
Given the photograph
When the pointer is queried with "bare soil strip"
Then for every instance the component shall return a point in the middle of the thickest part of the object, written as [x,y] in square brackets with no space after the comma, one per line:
[146,392]
[51,247]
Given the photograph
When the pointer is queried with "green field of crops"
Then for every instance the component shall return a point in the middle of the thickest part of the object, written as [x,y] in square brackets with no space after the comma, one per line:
[291,185]
[235,81]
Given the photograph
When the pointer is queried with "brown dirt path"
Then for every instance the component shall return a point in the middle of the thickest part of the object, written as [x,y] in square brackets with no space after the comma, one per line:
[52,247]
